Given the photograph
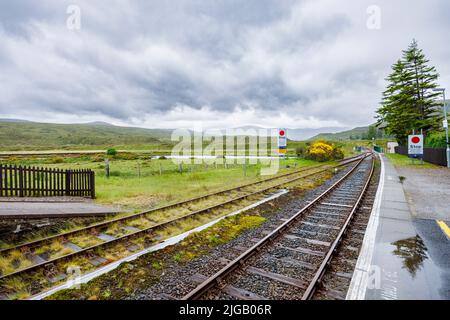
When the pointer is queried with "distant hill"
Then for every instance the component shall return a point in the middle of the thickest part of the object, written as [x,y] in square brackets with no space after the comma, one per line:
[99,123]
[306,134]
[13,120]
[26,135]
[356,133]
[298,134]
[16,134]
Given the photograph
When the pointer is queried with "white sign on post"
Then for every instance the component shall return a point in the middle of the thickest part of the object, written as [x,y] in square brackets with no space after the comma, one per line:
[415,144]
[282,141]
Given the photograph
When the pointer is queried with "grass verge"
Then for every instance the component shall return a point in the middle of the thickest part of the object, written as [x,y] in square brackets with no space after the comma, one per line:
[399,160]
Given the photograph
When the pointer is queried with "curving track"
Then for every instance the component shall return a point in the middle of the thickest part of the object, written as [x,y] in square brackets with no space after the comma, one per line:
[290,262]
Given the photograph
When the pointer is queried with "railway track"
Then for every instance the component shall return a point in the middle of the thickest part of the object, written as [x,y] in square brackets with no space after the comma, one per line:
[291,260]
[47,259]
[336,279]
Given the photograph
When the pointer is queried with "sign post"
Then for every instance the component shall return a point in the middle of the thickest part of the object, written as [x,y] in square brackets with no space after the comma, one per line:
[282,142]
[415,146]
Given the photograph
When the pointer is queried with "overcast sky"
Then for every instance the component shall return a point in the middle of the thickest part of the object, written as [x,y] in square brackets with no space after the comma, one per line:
[167,64]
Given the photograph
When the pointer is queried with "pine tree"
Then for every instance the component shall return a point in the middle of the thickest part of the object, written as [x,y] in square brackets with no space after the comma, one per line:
[371,133]
[408,102]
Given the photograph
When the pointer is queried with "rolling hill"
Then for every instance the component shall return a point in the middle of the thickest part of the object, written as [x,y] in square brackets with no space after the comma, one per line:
[356,133]
[26,135]
[17,135]
[299,134]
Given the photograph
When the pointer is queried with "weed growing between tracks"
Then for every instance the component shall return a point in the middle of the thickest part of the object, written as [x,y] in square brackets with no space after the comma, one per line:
[126,281]
[143,272]
[200,242]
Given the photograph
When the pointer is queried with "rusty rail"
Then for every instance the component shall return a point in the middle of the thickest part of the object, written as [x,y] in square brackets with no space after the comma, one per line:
[209,283]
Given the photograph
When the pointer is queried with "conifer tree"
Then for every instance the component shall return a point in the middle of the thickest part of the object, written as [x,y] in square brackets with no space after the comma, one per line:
[408,102]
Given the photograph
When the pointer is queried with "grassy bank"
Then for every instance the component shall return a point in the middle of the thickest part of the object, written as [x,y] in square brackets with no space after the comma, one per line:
[404,161]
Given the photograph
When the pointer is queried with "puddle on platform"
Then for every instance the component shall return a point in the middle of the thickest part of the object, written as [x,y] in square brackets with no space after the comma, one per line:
[416,266]
[413,252]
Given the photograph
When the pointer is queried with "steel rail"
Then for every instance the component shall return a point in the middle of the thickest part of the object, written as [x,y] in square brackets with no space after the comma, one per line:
[34,243]
[315,282]
[149,229]
[209,283]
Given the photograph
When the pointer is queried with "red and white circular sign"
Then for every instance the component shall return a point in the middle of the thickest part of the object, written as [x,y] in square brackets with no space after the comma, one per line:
[415,140]
[282,133]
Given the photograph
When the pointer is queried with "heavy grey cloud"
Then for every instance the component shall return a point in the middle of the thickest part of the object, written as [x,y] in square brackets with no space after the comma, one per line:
[221,63]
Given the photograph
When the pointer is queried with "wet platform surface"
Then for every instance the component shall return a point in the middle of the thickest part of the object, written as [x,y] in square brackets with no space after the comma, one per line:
[427,191]
[52,209]
[404,255]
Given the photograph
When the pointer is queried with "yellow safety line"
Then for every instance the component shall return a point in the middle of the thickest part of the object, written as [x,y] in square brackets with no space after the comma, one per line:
[445,228]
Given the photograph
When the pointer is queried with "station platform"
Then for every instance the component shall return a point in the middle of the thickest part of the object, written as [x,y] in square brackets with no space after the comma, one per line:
[406,252]
[52,208]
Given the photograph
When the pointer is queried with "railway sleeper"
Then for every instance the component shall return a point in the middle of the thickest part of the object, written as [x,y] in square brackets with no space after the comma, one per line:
[52,273]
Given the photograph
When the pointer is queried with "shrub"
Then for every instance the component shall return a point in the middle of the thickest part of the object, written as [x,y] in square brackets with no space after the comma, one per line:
[111,152]
[435,140]
[323,151]
[98,158]
[56,160]
[338,154]
[128,156]
[300,152]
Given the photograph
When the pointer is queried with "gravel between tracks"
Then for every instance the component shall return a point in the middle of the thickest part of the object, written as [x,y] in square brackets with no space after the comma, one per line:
[179,278]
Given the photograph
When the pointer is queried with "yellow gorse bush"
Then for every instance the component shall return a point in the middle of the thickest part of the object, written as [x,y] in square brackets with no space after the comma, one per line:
[322,151]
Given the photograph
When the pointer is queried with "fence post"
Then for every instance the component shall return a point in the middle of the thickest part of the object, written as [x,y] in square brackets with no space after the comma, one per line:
[139,170]
[107,168]
[68,176]
[92,176]
[20,181]
[1,180]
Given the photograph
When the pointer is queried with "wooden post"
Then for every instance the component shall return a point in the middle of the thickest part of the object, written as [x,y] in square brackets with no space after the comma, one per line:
[92,180]
[160,169]
[35,193]
[20,181]
[180,167]
[107,168]
[16,185]
[68,177]
[1,180]
[139,170]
